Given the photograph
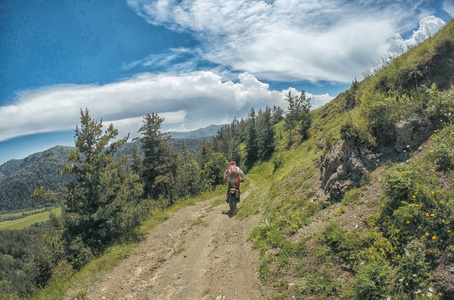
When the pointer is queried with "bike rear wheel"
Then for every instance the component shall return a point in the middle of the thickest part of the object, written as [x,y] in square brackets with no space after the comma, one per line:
[232,204]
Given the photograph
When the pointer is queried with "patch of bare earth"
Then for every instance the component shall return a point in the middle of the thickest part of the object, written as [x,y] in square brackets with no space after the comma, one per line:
[198,253]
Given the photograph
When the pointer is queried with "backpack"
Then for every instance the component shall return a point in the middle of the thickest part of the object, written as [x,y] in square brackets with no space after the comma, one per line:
[233,171]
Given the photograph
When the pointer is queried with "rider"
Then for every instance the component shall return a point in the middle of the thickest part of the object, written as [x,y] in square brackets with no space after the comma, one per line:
[235,173]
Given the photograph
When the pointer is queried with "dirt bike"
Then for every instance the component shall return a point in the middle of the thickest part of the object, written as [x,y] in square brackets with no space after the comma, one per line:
[234,198]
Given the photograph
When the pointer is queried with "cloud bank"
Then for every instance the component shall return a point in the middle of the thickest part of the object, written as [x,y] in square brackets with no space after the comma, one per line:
[186,101]
[332,40]
[428,27]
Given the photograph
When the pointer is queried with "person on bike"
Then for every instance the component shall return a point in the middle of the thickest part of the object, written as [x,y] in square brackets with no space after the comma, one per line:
[235,173]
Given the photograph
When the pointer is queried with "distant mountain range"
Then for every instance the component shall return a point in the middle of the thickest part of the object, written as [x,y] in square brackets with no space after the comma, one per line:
[20,177]
[199,133]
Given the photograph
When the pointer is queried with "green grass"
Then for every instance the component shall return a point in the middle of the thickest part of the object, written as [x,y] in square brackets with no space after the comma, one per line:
[20,213]
[29,220]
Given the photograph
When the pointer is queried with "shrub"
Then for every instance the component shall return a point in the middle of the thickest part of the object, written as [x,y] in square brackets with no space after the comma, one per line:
[413,271]
[356,131]
[399,185]
[443,148]
[382,114]
[347,245]
[320,283]
[371,281]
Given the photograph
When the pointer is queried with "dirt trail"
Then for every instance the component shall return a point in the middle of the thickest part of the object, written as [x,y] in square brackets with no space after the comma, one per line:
[198,253]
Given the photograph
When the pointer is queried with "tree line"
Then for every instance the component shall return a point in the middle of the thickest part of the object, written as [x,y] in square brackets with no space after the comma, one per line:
[109,196]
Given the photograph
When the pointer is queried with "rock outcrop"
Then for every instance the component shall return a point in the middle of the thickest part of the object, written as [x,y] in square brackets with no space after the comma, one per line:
[343,165]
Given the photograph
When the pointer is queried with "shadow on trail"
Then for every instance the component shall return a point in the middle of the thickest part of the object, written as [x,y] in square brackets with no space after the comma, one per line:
[227,212]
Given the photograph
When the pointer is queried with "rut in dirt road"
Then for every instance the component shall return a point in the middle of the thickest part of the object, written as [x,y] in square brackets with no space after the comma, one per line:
[198,253]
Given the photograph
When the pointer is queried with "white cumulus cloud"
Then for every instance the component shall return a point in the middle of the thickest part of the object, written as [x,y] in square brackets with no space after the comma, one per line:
[428,27]
[189,101]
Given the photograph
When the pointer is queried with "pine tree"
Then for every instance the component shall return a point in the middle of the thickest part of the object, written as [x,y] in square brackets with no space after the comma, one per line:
[291,118]
[136,160]
[103,200]
[160,159]
[298,115]
[204,153]
[265,135]
[278,114]
[251,142]
[305,119]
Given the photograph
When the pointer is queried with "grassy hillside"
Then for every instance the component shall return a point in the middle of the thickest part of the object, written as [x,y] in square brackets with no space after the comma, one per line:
[380,225]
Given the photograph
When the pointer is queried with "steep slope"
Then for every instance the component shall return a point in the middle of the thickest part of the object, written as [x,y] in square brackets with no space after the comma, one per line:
[341,218]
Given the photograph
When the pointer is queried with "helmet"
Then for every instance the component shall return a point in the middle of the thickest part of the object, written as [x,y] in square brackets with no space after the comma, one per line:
[232,163]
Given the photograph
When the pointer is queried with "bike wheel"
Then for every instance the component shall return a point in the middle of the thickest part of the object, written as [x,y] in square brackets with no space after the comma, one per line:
[232,204]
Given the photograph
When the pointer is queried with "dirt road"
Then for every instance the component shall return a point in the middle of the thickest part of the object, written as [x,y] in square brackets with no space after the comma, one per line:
[198,253]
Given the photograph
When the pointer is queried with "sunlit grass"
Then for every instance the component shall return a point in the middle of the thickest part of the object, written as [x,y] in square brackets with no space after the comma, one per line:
[29,220]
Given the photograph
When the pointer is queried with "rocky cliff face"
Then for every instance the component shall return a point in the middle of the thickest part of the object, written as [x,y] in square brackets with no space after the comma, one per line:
[343,165]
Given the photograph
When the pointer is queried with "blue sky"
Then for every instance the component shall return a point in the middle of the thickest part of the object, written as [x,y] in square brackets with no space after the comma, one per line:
[195,62]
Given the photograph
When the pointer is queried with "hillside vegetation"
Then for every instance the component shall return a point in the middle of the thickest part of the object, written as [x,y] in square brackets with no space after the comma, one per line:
[363,208]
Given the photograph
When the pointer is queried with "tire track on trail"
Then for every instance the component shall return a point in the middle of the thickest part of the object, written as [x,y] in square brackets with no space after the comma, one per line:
[198,253]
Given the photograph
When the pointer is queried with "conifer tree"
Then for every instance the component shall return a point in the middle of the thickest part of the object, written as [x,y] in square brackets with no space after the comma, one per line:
[298,115]
[265,134]
[251,142]
[103,200]
[278,114]
[305,120]
[160,159]
[291,118]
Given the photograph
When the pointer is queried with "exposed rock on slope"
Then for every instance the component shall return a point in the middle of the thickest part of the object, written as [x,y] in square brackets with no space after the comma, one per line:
[343,165]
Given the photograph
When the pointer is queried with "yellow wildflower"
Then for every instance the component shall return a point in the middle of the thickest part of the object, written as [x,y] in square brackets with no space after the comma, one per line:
[414,197]
[443,220]
[432,215]
[408,222]
[434,237]
[427,214]
[433,170]
[427,234]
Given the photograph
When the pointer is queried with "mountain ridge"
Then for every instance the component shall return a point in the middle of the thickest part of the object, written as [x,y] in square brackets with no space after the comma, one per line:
[20,177]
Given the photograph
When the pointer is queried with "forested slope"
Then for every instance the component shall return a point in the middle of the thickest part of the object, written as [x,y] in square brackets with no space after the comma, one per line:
[20,177]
